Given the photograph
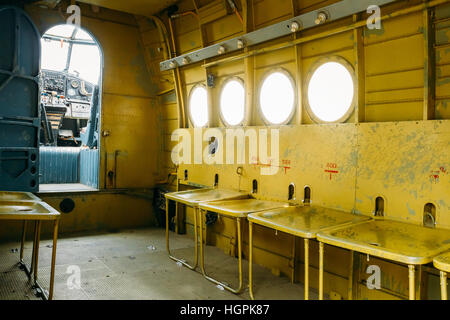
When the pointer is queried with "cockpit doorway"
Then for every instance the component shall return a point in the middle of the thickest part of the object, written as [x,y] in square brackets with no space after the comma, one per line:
[71,77]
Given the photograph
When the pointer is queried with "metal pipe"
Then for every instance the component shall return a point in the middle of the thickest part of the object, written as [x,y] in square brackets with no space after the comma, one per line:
[69,40]
[412,290]
[443,285]
[177,79]
[233,7]
[320,270]
[175,73]
[183,14]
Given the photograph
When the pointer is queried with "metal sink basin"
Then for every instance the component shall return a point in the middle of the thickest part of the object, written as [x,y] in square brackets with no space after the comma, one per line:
[389,239]
[17,196]
[305,221]
[196,196]
[242,207]
[21,210]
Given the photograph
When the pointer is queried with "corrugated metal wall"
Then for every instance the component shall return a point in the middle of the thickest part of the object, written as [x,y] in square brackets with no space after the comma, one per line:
[89,161]
[59,165]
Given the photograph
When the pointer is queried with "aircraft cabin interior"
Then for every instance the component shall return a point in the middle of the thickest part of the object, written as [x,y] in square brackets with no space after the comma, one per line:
[228,150]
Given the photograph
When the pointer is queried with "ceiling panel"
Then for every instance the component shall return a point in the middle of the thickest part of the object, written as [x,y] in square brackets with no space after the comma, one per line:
[141,7]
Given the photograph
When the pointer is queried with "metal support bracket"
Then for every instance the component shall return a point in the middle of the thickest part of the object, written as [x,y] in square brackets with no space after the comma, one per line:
[341,9]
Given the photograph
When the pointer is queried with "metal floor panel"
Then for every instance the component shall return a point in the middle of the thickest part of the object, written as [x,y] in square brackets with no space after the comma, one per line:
[14,285]
[133,264]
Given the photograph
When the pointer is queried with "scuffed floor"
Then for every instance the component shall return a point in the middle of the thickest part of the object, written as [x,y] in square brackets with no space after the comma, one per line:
[133,264]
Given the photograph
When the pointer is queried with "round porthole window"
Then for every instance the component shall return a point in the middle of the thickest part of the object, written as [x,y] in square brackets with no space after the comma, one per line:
[232,102]
[198,106]
[277,97]
[331,91]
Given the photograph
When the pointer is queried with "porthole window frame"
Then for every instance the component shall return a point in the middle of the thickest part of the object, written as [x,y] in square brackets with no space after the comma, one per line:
[316,65]
[222,87]
[198,85]
[295,102]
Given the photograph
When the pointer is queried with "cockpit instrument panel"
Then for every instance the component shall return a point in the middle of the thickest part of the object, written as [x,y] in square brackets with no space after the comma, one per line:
[54,82]
[61,89]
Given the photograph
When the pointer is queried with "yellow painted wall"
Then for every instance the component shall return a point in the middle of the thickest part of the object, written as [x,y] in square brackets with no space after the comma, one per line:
[387,146]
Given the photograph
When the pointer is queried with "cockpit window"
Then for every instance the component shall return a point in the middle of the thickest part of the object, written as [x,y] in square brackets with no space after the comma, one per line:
[70,82]
[71,49]
[84,62]
[55,55]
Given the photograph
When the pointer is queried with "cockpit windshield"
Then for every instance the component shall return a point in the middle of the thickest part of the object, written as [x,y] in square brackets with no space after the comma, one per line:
[66,48]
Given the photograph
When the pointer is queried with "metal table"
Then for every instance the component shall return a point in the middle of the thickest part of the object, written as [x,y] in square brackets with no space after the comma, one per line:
[18,196]
[397,241]
[235,209]
[442,263]
[192,198]
[304,222]
[26,207]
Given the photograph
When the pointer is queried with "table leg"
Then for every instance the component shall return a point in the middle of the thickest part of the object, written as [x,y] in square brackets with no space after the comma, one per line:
[351,275]
[250,259]
[52,272]
[418,282]
[36,255]
[241,276]
[167,226]
[202,256]
[33,254]
[412,289]
[195,239]
[22,244]
[320,270]
[443,285]
[176,218]
[306,269]
[294,259]
[202,241]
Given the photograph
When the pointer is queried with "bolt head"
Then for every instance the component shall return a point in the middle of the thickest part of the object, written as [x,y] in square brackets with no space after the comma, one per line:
[295,26]
[321,18]
[221,50]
